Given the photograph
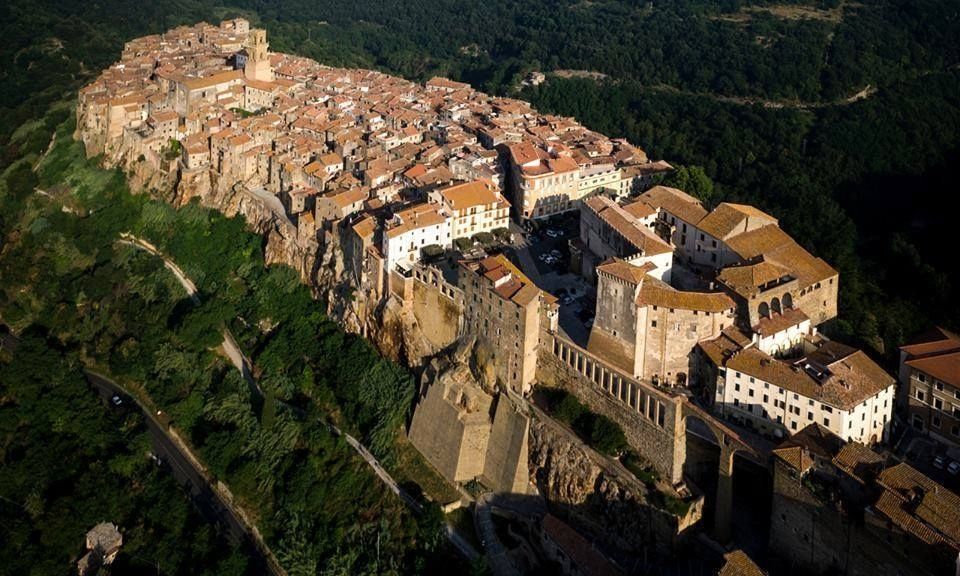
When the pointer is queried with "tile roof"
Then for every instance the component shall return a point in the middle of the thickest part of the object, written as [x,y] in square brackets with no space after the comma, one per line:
[644,240]
[775,245]
[737,563]
[841,377]
[859,461]
[624,270]
[654,292]
[919,506]
[469,194]
[749,280]
[936,353]
[676,202]
[727,219]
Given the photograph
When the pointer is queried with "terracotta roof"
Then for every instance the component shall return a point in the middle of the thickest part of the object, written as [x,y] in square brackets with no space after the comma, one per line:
[859,461]
[934,341]
[643,240]
[936,353]
[797,457]
[348,197]
[213,79]
[727,219]
[919,506]
[654,292]
[639,209]
[842,379]
[737,563]
[624,270]
[749,279]
[676,202]
[943,367]
[776,245]
[517,288]
[414,218]
[774,323]
[719,349]
[813,440]
[469,194]
[365,227]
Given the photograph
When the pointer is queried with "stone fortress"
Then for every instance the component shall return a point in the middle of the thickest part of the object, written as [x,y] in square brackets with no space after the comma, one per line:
[372,186]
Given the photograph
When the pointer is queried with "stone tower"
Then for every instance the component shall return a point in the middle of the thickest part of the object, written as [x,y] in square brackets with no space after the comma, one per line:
[257,66]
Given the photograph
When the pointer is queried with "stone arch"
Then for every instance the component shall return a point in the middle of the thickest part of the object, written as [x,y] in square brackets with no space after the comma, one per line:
[775,306]
[764,310]
[787,301]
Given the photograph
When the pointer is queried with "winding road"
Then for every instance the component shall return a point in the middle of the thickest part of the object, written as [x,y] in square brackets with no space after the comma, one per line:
[188,471]
[243,364]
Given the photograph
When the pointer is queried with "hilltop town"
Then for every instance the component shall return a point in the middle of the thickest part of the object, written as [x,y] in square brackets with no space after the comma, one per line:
[506,254]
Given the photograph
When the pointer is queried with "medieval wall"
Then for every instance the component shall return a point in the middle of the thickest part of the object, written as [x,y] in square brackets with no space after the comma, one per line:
[651,420]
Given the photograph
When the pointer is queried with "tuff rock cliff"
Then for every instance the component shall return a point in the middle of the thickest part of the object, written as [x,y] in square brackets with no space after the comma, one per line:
[586,487]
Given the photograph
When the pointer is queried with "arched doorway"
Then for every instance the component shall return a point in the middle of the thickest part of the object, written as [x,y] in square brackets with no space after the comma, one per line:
[775,306]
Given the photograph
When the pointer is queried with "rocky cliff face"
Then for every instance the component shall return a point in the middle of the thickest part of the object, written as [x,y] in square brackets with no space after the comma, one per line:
[392,329]
[585,488]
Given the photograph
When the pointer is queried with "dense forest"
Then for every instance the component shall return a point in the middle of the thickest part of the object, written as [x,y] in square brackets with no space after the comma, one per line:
[68,462]
[755,93]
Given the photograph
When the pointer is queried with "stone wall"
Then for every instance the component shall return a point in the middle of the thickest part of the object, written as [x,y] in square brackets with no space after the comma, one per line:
[505,466]
[464,430]
[437,314]
[651,420]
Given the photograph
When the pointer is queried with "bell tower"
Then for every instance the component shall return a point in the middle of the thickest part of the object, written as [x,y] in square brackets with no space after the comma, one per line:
[257,66]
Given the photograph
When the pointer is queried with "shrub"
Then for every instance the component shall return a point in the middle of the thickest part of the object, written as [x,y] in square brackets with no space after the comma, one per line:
[433,251]
[502,234]
[484,238]
[463,244]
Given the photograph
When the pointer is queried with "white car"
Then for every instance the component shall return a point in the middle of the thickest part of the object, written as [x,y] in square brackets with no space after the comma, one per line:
[117,400]
[553,233]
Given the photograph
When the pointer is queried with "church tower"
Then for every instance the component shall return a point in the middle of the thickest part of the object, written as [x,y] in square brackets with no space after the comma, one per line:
[257,66]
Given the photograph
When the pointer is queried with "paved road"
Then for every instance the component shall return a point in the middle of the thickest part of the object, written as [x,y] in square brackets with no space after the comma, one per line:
[187,471]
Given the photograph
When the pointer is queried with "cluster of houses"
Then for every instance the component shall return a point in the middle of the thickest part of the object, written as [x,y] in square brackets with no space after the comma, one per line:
[720,304]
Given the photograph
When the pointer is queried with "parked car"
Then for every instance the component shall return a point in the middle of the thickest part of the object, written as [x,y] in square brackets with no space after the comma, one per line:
[566,300]
[117,400]
[556,253]
[954,468]
[939,462]
[554,233]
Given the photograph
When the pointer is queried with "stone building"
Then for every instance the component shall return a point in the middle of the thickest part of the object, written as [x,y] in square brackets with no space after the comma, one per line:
[929,395]
[505,311]
[648,328]
[769,274]
[608,230]
[837,507]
